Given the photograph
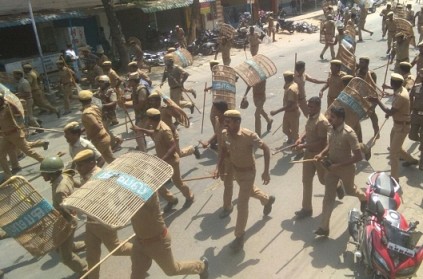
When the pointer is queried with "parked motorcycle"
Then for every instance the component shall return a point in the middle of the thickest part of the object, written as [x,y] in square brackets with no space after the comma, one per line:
[284,24]
[385,241]
[154,58]
[206,43]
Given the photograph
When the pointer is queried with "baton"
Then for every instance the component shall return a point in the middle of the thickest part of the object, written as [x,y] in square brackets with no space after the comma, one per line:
[284,148]
[44,129]
[204,105]
[304,161]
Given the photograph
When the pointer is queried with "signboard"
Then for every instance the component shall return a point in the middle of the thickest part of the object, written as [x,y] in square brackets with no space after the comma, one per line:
[205,8]
[49,62]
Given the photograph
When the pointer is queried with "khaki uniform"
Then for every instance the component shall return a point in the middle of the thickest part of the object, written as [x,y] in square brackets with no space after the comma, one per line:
[291,118]
[180,36]
[24,92]
[302,98]
[102,58]
[163,139]
[108,114]
[12,136]
[416,129]
[342,141]
[62,187]
[271,30]
[400,130]
[174,78]
[225,45]
[114,78]
[139,96]
[401,53]
[37,93]
[418,61]
[408,81]
[240,150]
[153,242]
[336,85]
[259,98]
[419,15]
[391,28]
[92,74]
[67,83]
[316,130]
[254,41]
[384,14]
[91,118]
[96,234]
[329,30]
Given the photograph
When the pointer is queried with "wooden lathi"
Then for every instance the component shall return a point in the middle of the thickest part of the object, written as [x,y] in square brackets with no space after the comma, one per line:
[223,85]
[30,219]
[256,69]
[113,195]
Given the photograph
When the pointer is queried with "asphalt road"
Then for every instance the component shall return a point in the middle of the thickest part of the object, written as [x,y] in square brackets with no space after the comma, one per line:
[277,246]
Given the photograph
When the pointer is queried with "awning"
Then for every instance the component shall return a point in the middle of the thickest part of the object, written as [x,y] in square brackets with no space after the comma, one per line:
[17,20]
[162,5]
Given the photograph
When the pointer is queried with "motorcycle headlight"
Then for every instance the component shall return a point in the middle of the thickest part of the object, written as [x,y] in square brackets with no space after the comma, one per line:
[380,261]
[406,272]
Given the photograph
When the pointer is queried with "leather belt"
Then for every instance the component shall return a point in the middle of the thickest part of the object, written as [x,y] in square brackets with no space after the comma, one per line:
[9,132]
[154,238]
[244,169]
[418,112]
[175,87]
[402,122]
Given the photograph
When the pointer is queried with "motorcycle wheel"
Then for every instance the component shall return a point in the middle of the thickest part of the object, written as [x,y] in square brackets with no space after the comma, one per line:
[207,51]
[291,29]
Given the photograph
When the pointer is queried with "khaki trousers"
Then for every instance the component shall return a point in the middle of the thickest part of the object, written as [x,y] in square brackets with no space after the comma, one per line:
[177,180]
[332,50]
[309,170]
[247,189]
[254,50]
[41,102]
[259,103]
[67,95]
[69,258]
[346,175]
[176,96]
[390,39]
[302,103]
[29,103]
[398,134]
[291,124]
[227,176]
[160,251]
[103,146]
[416,130]
[9,142]
[97,234]
[226,56]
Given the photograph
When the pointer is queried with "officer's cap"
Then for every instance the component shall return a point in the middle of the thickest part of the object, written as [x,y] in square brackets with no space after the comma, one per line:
[396,76]
[155,94]
[17,72]
[390,13]
[133,64]
[107,63]
[214,62]
[71,125]
[153,112]
[134,76]
[405,64]
[336,62]
[85,95]
[27,66]
[84,155]
[171,49]
[232,113]
[347,77]
[288,73]
[104,78]
[169,56]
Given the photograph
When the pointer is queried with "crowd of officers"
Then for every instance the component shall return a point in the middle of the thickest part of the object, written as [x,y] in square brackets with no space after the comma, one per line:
[333,141]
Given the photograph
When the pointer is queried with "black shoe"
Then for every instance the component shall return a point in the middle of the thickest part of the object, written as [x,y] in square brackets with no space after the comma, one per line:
[225,213]
[16,170]
[269,125]
[363,206]
[340,193]
[169,206]
[66,112]
[321,56]
[197,153]
[188,202]
[58,113]
[194,94]
[321,232]
[192,109]
[238,244]
[268,207]
[45,145]
[409,164]
[303,213]
[114,122]
[205,273]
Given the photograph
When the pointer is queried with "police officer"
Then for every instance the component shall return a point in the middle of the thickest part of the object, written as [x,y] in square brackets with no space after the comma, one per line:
[96,233]
[400,112]
[384,15]
[224,46]
[62,186]
[291,117]
[91,73]
[419,16]
[400,51]
[180,36]
[391,28]
[94,128]
[334,82]
[342,151]
[66,82]
[24,92]
[254,40]
[418,62]
[416,104]
[238,144]
[37,93]
[362,23]
[271,30]
[329,31]
[165,143]
[115,80]
[176,76]
[12,137]
[144,78]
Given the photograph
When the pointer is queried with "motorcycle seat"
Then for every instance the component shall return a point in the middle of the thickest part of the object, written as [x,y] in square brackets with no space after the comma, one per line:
[384,185]
[387,202]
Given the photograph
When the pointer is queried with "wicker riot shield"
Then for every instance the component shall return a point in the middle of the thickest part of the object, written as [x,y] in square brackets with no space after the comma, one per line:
[227,31]
[117,192]
[182,57]
[223,85]
[26,216]
[399,10]
[12,99]
[347,59]
[256,69]
[405,27]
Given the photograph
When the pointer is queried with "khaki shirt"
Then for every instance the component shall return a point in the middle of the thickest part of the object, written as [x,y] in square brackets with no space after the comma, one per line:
[85,178]
[66,76]
[342,142]
[384,13]
[139,96]
[316,129]
[401,102]
[174,76]
[418,60]
[148,221]
[166,117]
[91,118]
[336,85]
[391,27]
[408,81]
[24,89]
[300,81]
[7,120]
[114,78]
[401,48]
[253,39]
[291,94]
[417,96]
[33,80]
[240,147]
[62,187]
[163,139]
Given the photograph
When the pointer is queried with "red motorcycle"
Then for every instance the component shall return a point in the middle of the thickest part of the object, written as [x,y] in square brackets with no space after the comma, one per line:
[385,241]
